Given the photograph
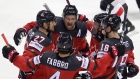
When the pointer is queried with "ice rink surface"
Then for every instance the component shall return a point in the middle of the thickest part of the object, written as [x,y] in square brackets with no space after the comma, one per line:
[16,13]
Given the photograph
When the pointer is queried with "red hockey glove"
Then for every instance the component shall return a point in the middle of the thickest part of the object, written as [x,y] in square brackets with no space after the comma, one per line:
[9,52]
[133,70]
[19,34]
[82,18]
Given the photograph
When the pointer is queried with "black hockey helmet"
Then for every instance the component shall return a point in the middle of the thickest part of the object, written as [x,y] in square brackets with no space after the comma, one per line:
[45,16]
[113,21]
[70,10]
[98,18]
[64,43]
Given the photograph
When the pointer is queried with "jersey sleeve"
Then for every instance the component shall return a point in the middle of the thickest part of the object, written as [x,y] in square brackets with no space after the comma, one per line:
[100,65]
[22,61]
[102,49]
[130,53]
[96,66]
[130,57]
[30,25]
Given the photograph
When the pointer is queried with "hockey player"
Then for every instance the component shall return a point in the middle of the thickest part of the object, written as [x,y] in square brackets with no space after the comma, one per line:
[94,27]
[64,64]
[110,26]
[67,23]
[129,26]
[96,33]
[39,40]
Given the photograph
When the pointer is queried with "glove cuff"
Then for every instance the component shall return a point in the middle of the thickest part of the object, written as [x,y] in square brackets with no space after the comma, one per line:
[12,55]
[22,29]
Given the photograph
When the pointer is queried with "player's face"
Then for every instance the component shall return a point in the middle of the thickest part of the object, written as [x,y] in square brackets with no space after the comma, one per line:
[69,21]
[105,29]
[52,25]
[96,27]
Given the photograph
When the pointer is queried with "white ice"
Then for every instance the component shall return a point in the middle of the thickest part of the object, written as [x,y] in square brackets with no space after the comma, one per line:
[16,13]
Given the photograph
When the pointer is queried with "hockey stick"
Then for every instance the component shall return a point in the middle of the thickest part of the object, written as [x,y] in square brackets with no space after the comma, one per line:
[5,40]
[47,7]
[122,35]
[124,22]
[68,2]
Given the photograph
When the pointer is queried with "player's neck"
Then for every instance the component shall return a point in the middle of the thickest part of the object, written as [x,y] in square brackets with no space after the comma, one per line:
[43,30]
[63,55]
[114,35]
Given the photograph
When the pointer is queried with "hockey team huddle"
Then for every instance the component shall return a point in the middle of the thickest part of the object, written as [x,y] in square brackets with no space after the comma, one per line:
[56,47]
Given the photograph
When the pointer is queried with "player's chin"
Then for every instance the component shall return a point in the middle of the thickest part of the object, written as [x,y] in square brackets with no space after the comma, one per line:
[69,27]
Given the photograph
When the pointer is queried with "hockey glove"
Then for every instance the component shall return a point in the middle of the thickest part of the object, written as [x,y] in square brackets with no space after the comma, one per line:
[9,52]
[82,18]
[86,75]
[117,50]
[104,4]
[85,51]
[99,36]
[122,72]
[133,70]
[19,34]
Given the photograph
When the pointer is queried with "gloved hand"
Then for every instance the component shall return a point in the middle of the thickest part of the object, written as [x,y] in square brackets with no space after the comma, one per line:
[9,52]
[82,18]
[19,34]
[85,51]
[104,4]
[117,50]
[99,36]
[133,70]
[85,75]
[122,72]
